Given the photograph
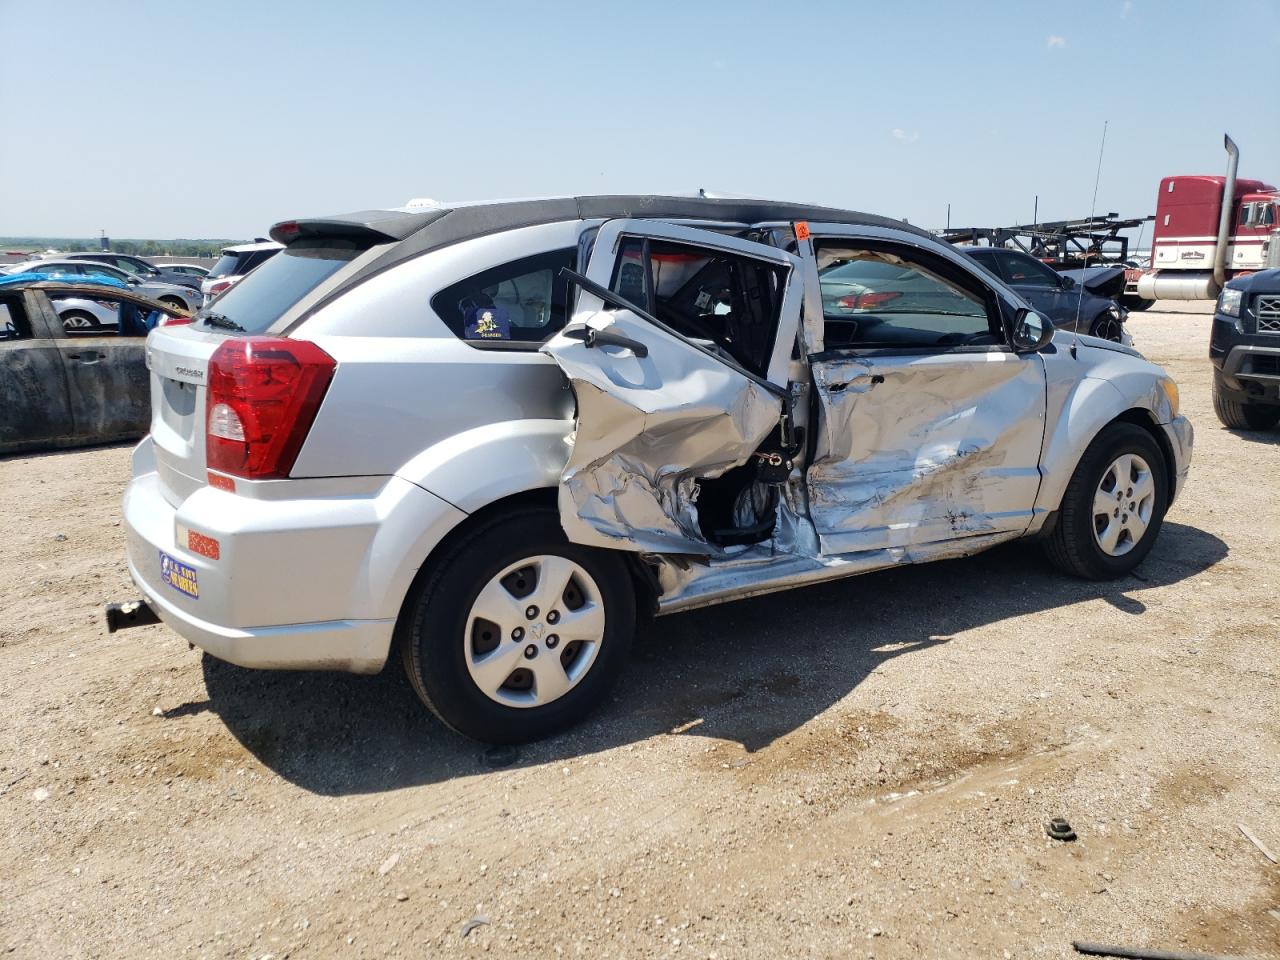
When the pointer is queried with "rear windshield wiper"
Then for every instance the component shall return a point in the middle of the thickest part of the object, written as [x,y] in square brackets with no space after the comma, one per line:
[220,320]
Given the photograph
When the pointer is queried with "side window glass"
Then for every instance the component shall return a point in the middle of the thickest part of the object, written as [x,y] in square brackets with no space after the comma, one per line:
[13,321]
[876,298]
[990,261]
[724,301]
[518,302]
[101,317]
[1027,272]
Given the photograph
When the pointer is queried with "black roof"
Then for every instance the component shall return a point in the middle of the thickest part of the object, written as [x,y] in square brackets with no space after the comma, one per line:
[420,231]
[441,226]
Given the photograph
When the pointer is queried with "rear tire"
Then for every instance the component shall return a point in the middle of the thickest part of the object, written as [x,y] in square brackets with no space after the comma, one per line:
[1076,544]
[1137,304]
[450,641]
[1241,415]
[174,302]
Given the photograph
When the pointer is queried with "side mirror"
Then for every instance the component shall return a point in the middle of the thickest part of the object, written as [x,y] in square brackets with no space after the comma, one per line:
[134,281]
[1031,330]
[1066,283]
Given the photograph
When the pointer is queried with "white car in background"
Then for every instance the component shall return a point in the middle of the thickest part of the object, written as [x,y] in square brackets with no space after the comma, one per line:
[189,269]
[234,264]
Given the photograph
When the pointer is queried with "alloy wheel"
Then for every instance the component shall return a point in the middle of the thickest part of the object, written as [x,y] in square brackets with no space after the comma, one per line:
[1123,504]
[534,631]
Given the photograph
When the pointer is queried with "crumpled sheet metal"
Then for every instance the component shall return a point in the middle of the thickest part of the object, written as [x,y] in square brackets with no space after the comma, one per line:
[642,440]
[914,448]
[687,587]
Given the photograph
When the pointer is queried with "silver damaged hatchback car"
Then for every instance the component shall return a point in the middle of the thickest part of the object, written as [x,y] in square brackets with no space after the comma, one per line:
[487,438]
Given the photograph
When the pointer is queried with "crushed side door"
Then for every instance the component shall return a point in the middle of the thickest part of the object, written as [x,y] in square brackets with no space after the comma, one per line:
[662,410]
[918,446]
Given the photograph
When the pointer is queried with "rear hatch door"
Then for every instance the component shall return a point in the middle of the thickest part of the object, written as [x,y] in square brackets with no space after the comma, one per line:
[178,356]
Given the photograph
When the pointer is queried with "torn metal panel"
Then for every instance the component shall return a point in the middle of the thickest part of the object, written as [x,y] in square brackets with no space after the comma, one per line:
[648,428]
[758,572]
[917,449]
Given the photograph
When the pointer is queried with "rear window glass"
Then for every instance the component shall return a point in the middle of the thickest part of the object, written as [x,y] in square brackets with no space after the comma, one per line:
[226,265]
[261,298]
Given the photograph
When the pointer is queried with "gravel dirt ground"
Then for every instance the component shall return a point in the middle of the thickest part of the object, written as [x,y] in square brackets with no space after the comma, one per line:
[858,769]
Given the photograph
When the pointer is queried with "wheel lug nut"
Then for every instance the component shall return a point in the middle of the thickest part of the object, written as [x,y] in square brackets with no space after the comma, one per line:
[553,641]
[531,612]
[530,652]
[553,616]
[517,634]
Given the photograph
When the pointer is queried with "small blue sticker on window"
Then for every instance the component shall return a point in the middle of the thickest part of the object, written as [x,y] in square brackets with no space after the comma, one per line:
[179,576]
[488,323]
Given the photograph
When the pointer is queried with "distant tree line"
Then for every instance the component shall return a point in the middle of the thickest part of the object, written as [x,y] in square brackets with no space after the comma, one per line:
[138,248]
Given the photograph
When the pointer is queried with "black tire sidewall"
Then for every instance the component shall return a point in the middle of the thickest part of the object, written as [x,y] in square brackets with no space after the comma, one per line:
[1113,442]
[436,619]
[1105,319]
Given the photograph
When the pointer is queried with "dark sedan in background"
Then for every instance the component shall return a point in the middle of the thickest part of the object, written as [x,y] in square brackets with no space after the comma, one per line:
[138,267]
[1085,301]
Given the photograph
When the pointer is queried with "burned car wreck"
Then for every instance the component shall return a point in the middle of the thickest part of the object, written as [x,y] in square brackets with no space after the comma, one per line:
[485,436]
[65,382]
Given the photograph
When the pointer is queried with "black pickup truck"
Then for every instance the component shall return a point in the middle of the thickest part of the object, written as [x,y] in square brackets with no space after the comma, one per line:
[1245,350]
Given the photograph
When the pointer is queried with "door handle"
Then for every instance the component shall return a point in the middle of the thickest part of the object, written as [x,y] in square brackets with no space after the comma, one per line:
[86,356]
[592,337]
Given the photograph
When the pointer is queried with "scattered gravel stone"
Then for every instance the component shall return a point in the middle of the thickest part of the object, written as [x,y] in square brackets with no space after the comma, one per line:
[388,864]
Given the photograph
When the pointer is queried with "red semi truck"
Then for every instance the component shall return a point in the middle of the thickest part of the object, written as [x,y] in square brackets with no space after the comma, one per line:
[1208,230]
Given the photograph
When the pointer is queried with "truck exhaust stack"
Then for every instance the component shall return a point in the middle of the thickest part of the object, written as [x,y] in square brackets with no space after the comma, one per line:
[1228,216]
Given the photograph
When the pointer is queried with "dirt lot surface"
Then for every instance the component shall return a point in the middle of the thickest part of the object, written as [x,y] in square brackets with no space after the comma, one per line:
[858,769]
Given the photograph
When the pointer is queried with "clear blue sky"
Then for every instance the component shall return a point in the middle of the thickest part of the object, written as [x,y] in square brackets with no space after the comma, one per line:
[154,119]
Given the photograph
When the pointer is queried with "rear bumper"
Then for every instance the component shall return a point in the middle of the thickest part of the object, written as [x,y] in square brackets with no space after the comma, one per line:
[1181,437]
[313,583]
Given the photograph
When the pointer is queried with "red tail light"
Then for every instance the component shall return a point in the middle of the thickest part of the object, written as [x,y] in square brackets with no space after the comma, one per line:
[263,396]
[168,321]
[868,301]
[217,288]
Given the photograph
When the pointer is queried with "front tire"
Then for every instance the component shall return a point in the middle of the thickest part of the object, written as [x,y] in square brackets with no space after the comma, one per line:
[1114,506]
[514,633]
[1241,415]
[1107,327]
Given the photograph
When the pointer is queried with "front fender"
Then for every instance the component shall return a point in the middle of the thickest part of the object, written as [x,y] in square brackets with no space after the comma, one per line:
[1081,414]
[477,467]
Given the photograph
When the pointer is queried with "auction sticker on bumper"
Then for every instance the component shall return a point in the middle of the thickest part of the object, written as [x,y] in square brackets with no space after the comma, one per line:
[179,576]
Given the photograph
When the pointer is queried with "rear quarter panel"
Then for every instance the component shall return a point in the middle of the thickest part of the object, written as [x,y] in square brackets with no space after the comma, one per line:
[405,384]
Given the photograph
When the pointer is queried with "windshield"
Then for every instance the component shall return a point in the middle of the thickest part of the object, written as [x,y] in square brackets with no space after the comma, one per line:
[264,295]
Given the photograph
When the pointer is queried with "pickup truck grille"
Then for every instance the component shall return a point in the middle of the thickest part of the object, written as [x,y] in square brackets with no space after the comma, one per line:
[1267,311]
